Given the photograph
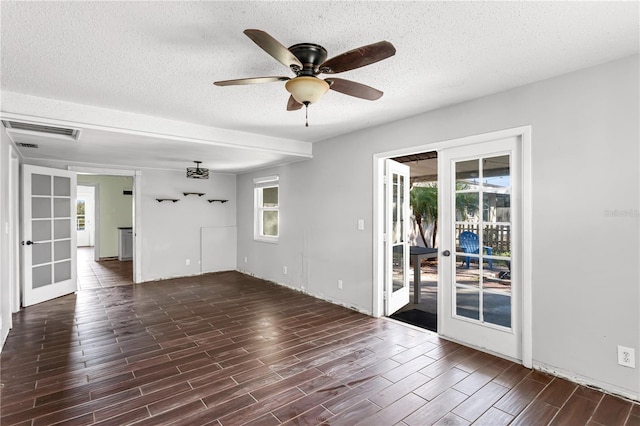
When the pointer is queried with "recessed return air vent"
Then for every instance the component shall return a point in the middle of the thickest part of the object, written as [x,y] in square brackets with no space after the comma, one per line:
[41,128]
[27,145]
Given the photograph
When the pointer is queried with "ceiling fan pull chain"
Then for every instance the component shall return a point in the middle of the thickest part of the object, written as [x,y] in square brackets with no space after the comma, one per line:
[306,114]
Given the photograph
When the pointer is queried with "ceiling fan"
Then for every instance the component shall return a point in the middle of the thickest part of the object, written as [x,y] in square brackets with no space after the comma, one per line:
[307,60]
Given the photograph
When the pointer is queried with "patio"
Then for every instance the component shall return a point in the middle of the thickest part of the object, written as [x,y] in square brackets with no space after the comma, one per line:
[497,281]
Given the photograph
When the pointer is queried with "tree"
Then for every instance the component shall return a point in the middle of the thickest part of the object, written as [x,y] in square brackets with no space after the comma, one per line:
[424,202]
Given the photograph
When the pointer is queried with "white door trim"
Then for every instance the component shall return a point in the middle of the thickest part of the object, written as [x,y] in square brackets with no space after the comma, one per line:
[524,133]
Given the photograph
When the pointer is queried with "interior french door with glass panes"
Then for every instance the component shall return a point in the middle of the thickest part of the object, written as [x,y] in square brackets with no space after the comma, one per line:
[49,233]
[396,233]
[480,284]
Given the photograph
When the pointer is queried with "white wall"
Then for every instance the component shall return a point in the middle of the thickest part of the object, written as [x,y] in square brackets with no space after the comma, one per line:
[115,209]
[171,231]
[586,219]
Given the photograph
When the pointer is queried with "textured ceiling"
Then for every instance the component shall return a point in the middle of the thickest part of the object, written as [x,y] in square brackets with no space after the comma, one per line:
[160,58]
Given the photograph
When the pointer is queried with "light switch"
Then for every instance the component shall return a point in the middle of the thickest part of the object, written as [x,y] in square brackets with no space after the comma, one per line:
[360,224]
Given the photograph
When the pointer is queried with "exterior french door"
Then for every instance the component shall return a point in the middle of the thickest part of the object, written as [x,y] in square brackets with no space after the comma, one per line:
[481,257]
[396,232]
[49,233]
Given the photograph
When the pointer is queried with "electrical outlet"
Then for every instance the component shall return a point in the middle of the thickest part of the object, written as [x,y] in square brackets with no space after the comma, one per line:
[187,262]
[340,284]
[360,224]
[284,270]
[627,356]
[245,259]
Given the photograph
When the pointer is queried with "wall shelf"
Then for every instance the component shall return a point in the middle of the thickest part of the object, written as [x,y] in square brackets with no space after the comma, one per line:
[167,199]
[199,194]
[221,201]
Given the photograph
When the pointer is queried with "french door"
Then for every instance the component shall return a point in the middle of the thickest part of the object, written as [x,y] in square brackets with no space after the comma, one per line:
[481,245]
[396,232]
[49,233]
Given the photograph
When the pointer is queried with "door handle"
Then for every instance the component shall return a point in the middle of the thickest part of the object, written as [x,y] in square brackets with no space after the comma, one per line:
[29,242]
[446,253]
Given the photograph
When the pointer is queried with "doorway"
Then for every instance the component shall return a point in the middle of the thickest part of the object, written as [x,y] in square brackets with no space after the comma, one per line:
[105,205]
[422,309]
[454,319]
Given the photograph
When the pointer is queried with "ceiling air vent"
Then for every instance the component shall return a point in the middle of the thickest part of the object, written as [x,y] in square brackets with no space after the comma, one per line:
[41,128]
[27,145]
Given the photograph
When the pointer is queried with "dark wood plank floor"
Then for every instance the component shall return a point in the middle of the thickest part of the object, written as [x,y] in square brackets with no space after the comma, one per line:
[229,349]
[105,273]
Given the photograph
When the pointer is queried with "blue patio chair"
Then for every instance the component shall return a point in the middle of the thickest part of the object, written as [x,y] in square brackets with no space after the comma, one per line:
[469,244]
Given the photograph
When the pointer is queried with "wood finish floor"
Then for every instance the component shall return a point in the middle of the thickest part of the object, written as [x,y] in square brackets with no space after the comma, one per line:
[228,349]
[106,273]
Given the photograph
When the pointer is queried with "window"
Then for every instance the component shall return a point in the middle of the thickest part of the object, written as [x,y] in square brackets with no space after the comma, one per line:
[267,214]
[80,217]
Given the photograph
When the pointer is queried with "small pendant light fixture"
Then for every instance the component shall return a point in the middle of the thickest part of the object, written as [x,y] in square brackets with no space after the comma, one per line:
[196,172]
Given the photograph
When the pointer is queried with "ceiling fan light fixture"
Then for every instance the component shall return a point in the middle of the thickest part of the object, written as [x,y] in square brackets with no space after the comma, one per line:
[196,172]
[307,89]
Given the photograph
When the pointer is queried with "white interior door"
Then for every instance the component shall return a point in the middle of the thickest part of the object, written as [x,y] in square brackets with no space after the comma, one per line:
[480,279]
[48,247]
[396,232]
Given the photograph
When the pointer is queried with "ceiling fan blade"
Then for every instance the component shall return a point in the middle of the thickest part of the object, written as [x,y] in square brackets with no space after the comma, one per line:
[360,57]
[253,80]
[273,47]
[293,105]
[352,88]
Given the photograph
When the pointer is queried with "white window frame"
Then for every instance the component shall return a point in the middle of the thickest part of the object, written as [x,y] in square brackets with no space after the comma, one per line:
[259,185]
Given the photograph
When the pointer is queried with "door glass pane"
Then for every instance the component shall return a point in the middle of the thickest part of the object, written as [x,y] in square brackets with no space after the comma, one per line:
[398,267]
[496,308]
[270,223]
[468,303]
[467,175]
[41,230]
[40,253]
[395,237]
[61,186]
[62,271]
[496,240]
[467,207]
[62,250]
[496,207]
[61,229]
[400,207]
[61,207]
[495,280]
[40,276]
[496,174]
[467,275]
[40,208]
[40,184]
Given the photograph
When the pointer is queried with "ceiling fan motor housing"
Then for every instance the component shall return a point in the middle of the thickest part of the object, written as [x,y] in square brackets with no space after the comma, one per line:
[311,55]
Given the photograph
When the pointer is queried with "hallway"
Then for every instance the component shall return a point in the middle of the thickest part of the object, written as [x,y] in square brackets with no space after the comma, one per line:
[106,273]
